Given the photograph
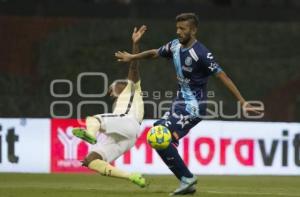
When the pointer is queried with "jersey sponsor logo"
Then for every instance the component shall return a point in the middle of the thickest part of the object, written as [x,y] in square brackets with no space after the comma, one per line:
[188,69]
[182,80]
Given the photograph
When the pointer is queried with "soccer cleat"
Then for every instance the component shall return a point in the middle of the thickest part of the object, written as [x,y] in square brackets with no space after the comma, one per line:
[190,191]
[186,186]
[137,179]
[82,134]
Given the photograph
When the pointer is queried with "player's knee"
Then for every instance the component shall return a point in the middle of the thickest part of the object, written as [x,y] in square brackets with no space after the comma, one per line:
[91,157]
[92,123]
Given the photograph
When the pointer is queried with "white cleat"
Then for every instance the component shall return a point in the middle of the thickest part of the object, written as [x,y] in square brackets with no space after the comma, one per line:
[186,186]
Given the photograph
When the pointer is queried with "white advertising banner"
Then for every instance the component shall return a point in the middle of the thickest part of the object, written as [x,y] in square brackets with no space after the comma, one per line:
[24,145]
[226,147]
[210,148]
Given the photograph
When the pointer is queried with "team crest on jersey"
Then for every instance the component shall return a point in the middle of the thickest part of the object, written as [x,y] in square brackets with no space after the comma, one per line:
[188,61]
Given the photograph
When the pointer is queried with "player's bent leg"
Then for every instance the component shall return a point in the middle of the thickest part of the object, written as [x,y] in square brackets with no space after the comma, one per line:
[95,162]
[91,157]
[120,135]
[82,134]
[172,158]
[89,134]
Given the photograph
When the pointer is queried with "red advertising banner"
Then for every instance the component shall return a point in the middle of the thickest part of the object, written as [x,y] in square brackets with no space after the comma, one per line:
[66,150]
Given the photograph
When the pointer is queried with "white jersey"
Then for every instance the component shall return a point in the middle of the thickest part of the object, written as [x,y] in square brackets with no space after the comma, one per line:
[121,127]
[130,101]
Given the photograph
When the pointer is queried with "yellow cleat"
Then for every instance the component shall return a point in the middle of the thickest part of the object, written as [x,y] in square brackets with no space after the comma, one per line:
[137,179]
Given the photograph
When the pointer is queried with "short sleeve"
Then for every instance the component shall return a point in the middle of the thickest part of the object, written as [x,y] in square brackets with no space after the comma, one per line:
[210,65]
[165,50]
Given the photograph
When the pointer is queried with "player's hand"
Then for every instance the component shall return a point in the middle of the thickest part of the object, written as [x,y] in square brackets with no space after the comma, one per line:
[247,107]
[138,33]
[124,56]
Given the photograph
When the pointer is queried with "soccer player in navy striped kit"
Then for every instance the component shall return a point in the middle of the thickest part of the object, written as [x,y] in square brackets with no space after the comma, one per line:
[194,63]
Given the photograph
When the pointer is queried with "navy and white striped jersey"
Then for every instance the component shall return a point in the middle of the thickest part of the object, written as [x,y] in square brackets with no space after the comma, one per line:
[193,66]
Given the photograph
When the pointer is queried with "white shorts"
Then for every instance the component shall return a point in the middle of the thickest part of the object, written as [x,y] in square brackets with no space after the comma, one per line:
[120,134]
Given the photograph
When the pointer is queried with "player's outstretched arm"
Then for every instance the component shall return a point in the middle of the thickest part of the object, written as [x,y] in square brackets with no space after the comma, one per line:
[133,73]
[234,90]
[124,56]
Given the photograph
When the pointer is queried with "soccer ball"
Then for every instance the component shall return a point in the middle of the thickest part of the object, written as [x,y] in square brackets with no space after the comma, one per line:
[159,137]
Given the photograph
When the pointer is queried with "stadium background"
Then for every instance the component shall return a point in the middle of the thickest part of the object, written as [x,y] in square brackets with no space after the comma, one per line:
[255,41]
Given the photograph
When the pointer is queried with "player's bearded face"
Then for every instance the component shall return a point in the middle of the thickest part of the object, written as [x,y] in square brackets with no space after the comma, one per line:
[184,31]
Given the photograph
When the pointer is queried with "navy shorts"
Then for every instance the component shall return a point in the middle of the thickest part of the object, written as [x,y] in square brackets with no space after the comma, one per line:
[179,123]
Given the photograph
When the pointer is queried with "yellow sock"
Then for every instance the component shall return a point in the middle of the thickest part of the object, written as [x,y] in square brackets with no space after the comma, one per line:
[106,169]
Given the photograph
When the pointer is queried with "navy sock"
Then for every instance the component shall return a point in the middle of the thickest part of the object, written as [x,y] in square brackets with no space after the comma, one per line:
[175,163]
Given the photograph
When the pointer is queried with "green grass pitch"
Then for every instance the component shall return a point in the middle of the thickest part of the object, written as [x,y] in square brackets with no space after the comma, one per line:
[93,185]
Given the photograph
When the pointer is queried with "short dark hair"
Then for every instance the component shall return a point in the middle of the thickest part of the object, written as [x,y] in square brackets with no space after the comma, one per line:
[192,17]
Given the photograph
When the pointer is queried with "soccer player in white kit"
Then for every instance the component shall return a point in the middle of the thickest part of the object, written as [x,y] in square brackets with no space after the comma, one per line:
[119,128]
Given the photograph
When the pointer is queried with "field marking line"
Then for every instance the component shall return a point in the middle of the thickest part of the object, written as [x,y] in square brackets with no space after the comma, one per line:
[253,193]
